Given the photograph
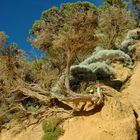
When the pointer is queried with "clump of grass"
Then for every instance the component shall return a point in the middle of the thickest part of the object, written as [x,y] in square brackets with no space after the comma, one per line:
[54,135]
[51,129]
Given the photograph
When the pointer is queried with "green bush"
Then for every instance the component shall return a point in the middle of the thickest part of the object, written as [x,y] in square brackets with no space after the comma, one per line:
[133,34]
[105,55]
[51,129]
[53,135]
[51,123]
[128,45]
[92,71]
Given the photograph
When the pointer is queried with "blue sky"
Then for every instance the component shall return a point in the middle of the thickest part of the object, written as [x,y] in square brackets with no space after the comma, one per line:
[17,17]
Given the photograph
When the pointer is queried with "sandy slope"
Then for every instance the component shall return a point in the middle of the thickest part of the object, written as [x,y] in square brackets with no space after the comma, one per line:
[109,124]
[132,91]
[31,133]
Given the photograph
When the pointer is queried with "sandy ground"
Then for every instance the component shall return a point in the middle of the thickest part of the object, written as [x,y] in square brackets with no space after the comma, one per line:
[132,91]
[31,133]
[109,124]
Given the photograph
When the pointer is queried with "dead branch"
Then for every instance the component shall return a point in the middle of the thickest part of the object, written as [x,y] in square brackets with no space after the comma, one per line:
[33,94]
[36,95]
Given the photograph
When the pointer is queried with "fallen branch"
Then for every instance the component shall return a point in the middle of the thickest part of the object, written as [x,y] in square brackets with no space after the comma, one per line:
[33,94]
[36,95]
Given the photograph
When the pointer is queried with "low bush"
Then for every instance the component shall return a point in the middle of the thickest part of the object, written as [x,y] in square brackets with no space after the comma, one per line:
[92,71]
[51,128]
[53,135]
[108,55]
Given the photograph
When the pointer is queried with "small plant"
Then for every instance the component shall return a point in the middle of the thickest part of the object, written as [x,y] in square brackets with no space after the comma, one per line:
[51,129]
[53,135]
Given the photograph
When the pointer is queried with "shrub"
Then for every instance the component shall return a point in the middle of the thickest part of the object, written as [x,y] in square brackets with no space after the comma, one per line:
[53,135]
[51,129]
[92,71]
[128,45]
[105,55]
[113,25]
[133,34]
[51,123]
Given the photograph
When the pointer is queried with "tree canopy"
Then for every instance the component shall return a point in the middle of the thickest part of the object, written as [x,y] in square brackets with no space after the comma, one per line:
[54,22]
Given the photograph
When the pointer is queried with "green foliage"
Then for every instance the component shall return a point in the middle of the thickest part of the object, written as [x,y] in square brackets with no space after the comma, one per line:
[116,3]
[3,39]
[108,56]
[51,123]
[113,25]
[9,51]
[128,45]
[77,7]
[53,135]
[37,26]
[37,64]
[92,71]
[56,21]
[64,29]
[51,129]
[133,34]
[125,44]
[6,49]
[47,15]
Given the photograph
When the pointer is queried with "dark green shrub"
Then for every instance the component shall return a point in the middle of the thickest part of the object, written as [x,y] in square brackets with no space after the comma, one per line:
[53,135]
[51,129]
